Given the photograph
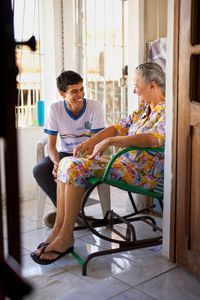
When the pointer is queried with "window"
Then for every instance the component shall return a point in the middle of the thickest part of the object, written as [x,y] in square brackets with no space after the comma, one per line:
[26,24]
[101,52]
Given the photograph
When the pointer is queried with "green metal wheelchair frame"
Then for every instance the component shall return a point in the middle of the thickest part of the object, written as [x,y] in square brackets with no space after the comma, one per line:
[128,241]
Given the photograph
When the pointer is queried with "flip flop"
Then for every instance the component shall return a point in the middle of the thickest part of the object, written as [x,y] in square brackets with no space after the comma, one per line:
[43,244]
[40,261]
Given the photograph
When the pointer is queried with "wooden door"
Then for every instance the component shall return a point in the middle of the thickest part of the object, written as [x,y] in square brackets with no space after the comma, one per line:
[188,137]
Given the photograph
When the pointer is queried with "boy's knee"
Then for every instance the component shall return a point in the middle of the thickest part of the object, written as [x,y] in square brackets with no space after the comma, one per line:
[41,170]
[36,171]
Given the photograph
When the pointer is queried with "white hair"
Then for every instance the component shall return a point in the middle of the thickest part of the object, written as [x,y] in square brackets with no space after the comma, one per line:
[152,72]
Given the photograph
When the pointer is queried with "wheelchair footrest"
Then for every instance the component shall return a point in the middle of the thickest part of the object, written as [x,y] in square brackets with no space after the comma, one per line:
[113,219]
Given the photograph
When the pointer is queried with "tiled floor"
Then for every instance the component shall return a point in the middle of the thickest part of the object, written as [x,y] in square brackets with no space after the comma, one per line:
[141,274]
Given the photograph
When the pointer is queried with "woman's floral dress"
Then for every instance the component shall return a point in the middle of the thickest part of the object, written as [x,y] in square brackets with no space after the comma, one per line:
[134,167]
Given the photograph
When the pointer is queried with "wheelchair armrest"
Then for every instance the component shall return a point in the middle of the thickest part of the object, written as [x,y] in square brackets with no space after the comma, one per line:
[118,154]
[40,149]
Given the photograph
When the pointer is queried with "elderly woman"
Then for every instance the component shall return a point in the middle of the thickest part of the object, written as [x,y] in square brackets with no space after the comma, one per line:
[145,127]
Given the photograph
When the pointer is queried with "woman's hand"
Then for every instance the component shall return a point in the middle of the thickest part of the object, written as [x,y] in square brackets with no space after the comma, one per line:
[83,149]
[100,148]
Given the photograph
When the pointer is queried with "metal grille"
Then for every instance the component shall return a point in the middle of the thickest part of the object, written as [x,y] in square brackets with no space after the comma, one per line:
[101,53]
[26,24]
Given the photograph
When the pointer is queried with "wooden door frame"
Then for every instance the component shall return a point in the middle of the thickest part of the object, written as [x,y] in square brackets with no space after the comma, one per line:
[175,147]
[183,115]
[172,249]
[186,114]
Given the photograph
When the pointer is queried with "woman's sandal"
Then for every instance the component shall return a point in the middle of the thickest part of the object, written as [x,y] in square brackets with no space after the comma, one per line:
[41,261]
[43,244]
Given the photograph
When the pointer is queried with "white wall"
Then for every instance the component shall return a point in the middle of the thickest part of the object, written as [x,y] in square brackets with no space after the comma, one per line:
[69,57]
[169,129]
[27,141]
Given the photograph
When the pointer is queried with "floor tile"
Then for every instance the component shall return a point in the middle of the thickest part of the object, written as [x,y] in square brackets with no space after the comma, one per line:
[175,285]
[5,244]
[100,290]
[132,294]
[27,224]
[148,269]
[29,208]
[83,250]
[54,286]
[30,268]
[145,255]
[141,274]
[31,239]
[102,266]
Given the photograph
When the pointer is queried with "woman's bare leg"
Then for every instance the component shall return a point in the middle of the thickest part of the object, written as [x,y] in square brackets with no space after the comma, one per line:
[64,240]
[60,212]
[59,215]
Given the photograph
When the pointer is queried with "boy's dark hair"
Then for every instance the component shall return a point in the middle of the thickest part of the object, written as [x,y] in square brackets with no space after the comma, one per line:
[67,78]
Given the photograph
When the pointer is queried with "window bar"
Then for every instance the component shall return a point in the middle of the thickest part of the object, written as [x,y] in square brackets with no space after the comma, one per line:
[104,75]
[95,35]
[113,47]
[22,106]
[84,40]
[27,109]
[122,87]
[79,39]
[35,100]
[113,101]
[96,78]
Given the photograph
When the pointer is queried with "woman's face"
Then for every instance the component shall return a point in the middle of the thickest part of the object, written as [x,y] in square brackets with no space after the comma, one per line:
[141,88]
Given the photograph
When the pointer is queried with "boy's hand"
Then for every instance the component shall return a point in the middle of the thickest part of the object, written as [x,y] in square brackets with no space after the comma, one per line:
[55,170]
[83,149]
